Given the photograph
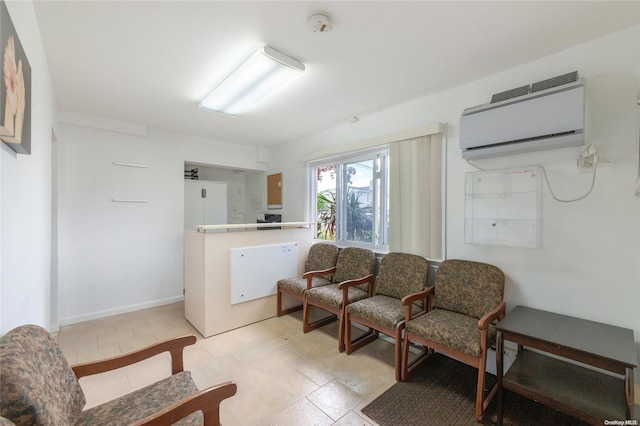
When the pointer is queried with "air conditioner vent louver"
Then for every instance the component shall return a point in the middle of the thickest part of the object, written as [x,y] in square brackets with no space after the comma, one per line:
[513,93]
[555,81]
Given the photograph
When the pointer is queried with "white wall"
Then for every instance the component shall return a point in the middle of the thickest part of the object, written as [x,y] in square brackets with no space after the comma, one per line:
[589,263]
[118,257]
[25,194]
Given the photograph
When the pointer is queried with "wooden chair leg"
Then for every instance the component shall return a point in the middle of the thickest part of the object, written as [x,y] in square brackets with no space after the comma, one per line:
[341,331]
[398,350]
[279,311]
[405,359]
[279,302]
[306,326]
[409,367]
[480,394]
[483,402]
[347,331]
[353,345]
[305,315]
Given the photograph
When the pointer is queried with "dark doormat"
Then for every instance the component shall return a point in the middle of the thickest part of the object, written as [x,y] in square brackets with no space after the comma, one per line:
[442,392]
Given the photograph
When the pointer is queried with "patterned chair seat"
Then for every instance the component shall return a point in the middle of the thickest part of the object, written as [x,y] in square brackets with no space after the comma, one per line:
[380,309]
[145,402]
[331,295]
[298,285]
[454,330]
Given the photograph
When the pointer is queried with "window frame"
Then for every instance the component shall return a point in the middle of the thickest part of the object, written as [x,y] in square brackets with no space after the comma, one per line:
[379,155]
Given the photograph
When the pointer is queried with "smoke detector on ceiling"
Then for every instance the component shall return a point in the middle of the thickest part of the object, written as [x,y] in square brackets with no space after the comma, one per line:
[319,22]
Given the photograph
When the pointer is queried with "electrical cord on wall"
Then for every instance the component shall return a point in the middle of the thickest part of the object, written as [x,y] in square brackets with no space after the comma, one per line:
[593,183]
[546,178]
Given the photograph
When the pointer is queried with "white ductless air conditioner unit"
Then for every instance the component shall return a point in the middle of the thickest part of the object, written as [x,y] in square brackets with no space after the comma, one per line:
[544,115]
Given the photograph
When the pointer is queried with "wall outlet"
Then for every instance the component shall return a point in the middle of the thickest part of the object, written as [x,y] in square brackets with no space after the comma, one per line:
[587,160]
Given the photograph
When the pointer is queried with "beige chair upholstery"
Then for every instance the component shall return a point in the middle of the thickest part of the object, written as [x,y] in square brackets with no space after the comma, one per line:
[400,274]
[465,303]
[352,281]
[38,387]
[318,271]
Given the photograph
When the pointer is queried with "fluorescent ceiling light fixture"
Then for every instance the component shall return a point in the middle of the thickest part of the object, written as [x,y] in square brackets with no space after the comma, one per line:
[263,74]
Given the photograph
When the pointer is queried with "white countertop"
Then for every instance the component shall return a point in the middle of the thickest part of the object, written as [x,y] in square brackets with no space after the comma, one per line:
[253,226]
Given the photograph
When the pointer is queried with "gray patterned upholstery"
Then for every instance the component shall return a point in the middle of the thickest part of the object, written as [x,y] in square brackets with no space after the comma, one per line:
[468,288]
[400,274]
[145,402]
[298,285]
[354,263]
[321,256]
[383,310]
[456,331]
[331,295]
[38,387]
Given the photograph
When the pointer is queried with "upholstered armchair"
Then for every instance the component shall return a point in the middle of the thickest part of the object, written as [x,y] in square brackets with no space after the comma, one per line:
[466,302]
[399,275]
[38,387]
[352,281]
[318,271]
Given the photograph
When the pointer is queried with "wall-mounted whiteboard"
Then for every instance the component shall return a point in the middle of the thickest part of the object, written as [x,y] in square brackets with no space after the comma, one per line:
[256,270]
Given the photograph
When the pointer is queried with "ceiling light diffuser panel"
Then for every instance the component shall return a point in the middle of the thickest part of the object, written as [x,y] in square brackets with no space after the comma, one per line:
[263,74]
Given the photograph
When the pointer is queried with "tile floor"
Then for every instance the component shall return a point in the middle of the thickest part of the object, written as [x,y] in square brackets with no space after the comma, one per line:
[284,377]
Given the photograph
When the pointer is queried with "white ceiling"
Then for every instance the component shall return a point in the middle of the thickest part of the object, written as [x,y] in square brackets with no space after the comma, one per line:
[150,62]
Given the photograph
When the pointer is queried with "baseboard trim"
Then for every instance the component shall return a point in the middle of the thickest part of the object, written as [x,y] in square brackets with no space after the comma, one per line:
[117,311]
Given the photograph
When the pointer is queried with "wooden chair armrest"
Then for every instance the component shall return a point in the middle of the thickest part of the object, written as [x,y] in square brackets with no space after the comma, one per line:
[319,273]
[309,275]
[425,295]
[173,346]
[344,286]
[357,281]
[208,401]
[497,313]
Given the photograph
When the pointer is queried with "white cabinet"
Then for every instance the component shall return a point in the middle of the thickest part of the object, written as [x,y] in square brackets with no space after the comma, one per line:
[205,203]
[503,208]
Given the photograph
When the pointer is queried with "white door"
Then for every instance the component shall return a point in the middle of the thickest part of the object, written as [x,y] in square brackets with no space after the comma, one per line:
[205,203]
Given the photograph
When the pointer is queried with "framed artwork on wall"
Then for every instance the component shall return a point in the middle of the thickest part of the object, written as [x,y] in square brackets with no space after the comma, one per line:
[15,88]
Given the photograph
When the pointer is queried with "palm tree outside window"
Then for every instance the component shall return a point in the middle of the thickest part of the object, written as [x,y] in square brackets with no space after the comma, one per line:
[352,200]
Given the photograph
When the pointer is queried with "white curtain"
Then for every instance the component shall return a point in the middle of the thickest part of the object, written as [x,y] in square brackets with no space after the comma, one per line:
[415,196]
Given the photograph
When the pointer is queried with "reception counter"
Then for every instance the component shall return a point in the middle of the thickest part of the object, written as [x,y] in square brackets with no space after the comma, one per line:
[230,271]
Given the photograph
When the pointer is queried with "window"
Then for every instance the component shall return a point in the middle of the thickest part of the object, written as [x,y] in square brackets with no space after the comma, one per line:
[352,199]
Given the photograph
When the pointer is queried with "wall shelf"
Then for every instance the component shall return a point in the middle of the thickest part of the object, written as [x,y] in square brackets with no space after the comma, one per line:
[503,208]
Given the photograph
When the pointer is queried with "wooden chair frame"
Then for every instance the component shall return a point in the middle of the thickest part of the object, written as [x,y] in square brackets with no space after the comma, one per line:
[309,277]
[372,334]
[336,312]
[208,400]
[429,346]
